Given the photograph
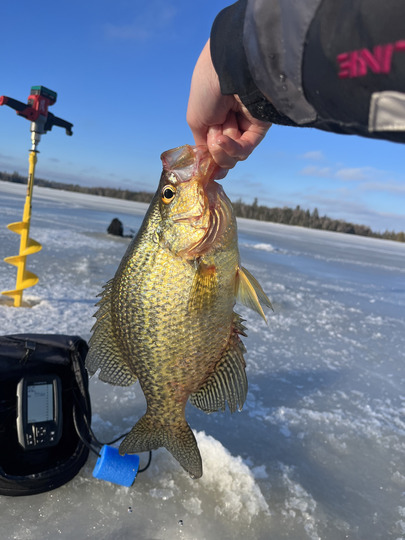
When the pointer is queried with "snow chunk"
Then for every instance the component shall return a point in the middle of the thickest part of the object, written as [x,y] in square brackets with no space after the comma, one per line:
[236,492]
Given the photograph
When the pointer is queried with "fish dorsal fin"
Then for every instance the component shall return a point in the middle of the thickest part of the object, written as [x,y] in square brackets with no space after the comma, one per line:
[104,352]
[204,290]
[228,383]
[250,292]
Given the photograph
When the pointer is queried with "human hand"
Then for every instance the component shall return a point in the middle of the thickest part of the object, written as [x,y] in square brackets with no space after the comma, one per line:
[220,122]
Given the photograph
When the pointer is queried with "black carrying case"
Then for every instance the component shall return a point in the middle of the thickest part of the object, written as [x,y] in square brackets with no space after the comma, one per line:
[35,471]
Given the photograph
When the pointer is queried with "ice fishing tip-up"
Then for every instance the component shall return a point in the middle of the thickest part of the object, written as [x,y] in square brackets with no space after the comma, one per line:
[36,110]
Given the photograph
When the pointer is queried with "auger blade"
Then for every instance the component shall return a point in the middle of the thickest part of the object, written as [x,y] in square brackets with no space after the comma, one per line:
[32,247]
[12,294]
[18,227]
[16,295]
[29,279]
[28,245]
[15,260]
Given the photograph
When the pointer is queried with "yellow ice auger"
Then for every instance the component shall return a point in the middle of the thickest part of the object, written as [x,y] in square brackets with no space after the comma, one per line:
[35,110]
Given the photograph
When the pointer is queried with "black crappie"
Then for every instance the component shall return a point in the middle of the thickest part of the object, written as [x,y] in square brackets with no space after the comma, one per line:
[167,316]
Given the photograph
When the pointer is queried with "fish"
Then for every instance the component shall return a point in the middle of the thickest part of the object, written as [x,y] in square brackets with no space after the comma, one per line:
[167,317]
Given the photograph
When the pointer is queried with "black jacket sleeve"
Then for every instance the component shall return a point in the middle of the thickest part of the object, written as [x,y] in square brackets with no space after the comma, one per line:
[333,65]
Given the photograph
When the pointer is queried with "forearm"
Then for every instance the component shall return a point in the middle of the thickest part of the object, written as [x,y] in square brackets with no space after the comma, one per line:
[317,63]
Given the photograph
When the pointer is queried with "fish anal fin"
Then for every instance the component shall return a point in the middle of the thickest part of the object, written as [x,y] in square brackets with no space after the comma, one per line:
[204,290]
[104,352]
[250,292]
[149,434]
[228,383]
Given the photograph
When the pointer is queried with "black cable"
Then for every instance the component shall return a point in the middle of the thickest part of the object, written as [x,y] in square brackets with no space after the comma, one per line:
[118,438]
[79,434]
[90,430]
[94,438]
[147,465]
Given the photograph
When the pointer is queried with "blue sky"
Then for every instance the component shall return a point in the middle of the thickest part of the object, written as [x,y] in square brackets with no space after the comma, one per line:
[122,72]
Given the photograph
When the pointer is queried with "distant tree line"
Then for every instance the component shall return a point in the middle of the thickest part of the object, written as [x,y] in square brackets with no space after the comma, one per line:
[285,215]
[305,218]
[139,196]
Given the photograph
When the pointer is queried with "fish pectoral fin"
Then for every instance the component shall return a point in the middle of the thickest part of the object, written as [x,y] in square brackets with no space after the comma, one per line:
[149,434]
[250,292]
[104,352]
[204,290]
[228,383]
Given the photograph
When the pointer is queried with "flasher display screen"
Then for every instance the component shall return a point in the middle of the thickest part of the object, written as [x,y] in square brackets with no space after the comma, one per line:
[40,407]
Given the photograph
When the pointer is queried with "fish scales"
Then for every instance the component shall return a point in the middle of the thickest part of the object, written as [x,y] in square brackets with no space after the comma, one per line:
[167,316]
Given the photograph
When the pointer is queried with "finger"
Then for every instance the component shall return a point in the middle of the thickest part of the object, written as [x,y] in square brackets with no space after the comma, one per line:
[200,136]
[227,151]
[251,138]
[230,127]
[221,173]
[220,150]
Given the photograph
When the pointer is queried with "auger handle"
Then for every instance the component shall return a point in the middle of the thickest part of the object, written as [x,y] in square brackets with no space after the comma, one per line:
[33,113]
[13,103]
[53,120]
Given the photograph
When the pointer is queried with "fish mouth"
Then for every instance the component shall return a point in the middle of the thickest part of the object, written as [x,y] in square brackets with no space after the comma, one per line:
[212,212]
[220,215]
[191,218]
[188,161]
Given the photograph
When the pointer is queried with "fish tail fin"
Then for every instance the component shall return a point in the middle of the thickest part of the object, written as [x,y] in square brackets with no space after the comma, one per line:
[149,434]
[182,445]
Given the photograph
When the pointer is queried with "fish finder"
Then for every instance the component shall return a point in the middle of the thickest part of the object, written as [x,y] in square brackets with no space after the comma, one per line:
[39,406]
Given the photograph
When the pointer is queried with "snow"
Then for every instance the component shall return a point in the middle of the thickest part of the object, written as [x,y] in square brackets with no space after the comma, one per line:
[318,451]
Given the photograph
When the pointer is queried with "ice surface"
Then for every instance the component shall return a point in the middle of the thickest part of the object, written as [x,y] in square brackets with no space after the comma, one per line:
[318,451]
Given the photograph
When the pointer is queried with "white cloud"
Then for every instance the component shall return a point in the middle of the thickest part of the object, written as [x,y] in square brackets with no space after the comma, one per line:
[386,187]
[155,17]
[314,155]
[314,170]
[368,178]
[338,206]
[357,173]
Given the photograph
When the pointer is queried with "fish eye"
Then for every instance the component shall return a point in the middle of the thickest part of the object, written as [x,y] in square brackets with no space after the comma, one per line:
[168,192]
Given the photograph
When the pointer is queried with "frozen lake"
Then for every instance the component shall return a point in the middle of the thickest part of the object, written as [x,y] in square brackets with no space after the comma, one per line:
[318,451]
